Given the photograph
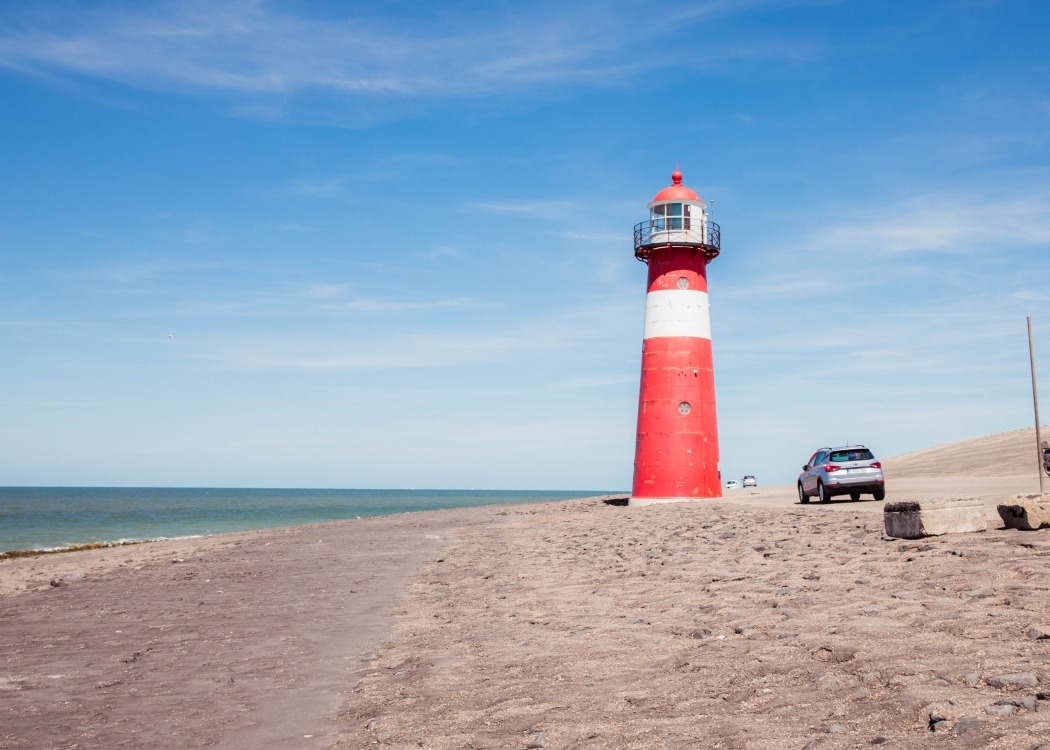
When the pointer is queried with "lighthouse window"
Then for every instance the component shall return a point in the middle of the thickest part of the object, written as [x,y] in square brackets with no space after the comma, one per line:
[658,218]
[674,215]
[670,216]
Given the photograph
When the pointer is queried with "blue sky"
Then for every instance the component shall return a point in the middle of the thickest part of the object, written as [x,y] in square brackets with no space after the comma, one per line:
[304,244]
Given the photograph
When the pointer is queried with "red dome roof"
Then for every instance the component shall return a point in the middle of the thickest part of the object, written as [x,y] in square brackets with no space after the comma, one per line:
[676,192]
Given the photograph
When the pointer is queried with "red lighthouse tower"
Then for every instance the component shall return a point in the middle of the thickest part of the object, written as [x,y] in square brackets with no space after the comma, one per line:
[676,456]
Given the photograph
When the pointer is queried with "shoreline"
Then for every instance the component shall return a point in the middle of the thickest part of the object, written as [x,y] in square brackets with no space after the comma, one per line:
[100,557]
[577,623]
[42,520]
[240,639]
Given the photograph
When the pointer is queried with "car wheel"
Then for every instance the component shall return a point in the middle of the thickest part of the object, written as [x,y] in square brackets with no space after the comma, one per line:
[879,494]
[802,495]
[854,496]
[822,493]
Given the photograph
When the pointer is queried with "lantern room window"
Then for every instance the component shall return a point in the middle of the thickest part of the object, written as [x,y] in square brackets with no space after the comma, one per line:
[671,216]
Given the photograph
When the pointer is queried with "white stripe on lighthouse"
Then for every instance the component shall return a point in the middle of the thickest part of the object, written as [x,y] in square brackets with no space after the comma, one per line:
[677,312]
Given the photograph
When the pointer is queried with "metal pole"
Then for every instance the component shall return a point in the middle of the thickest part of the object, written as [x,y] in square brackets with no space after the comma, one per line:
[1035,403]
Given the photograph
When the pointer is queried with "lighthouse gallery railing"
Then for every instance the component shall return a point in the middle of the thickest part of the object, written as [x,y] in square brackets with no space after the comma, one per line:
[705,235]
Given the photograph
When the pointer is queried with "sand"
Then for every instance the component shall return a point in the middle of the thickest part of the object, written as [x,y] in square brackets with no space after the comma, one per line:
[750,622]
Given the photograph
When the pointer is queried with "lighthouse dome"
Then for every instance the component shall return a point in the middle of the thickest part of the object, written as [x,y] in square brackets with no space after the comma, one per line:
[676,191]
[677,217]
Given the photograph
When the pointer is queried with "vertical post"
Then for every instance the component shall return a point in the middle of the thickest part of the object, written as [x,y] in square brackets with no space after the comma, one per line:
[1035,403]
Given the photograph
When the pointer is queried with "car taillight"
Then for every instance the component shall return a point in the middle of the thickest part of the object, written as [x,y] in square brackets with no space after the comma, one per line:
[875,465]
[831,467]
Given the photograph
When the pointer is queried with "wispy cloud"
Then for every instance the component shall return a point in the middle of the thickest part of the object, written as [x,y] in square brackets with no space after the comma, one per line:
[146,270]
[948,222]
[375,305]
[249,47]
[327,187]
[326,291]
[537,209]
[472,341]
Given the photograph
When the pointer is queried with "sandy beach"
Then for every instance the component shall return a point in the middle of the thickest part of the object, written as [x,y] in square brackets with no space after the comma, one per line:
[748,622]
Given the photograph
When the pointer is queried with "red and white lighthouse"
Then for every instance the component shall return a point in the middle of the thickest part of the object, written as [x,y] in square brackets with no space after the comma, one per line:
[676,456]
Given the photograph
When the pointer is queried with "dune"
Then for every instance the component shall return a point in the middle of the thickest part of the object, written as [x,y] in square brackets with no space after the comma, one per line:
[1003,454]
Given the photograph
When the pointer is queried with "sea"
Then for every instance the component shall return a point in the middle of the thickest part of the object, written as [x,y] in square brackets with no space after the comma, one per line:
[53,518]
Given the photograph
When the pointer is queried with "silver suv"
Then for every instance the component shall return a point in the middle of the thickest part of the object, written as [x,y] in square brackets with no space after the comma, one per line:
[851,470]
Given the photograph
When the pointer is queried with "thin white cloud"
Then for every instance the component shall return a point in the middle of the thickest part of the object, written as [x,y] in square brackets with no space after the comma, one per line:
[948,222]
[375,305]
[326,291]
[439,251]
[616,237]
[537,209]
[322,188]
[484,342]
[146,270]
[602,382]
[249,47]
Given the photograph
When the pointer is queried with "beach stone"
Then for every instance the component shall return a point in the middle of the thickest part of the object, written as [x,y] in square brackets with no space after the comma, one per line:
[831,683]
[1039,632]
[539,739]
[909,596]
[914,519]
[1015,680]
[978,594]
[937,721]
[835,653]
[1025,512]
[999,710]
[837,729]
[967,723]
[1027,702]
[68,578]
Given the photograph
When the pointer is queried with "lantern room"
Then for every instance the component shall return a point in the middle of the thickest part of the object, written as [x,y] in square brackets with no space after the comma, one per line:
[677,216]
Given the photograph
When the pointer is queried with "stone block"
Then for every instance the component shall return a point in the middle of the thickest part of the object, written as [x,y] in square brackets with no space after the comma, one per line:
[913,519]
[1026,512]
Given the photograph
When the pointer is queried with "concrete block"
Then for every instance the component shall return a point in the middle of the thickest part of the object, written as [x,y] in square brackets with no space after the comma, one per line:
[1026,512]
[912,519]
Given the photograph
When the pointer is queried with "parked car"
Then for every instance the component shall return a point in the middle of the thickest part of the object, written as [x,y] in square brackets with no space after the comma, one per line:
[749,481]
[732,484]
[850,470]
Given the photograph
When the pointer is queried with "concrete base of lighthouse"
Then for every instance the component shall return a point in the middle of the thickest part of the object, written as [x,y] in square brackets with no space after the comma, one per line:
[638,502]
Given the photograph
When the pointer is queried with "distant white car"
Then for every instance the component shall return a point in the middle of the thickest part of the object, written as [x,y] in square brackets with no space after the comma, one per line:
[749,481]
[732,484]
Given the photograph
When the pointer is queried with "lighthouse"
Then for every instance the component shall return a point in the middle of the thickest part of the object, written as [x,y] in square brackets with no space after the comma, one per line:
[676,454]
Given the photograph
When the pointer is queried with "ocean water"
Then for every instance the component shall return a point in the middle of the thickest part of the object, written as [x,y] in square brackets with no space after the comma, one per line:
[56,517]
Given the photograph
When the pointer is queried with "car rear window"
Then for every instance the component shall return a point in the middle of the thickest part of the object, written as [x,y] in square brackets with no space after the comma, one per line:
[852,454]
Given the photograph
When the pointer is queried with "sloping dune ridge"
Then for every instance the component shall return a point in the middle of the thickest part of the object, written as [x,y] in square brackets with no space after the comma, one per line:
[999,455]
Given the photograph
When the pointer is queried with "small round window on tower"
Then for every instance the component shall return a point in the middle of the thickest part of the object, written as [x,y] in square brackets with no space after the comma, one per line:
[684,408]
[683,282]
